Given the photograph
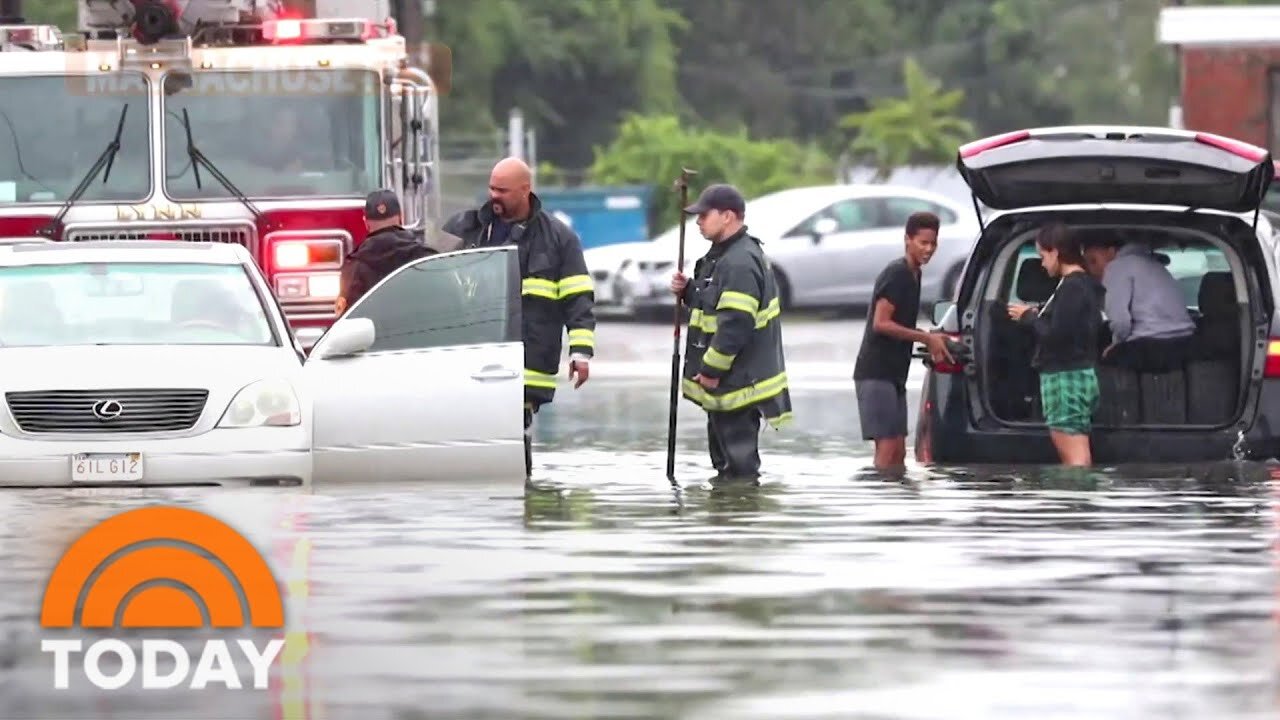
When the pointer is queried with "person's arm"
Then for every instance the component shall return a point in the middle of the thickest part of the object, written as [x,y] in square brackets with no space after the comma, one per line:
[1070,312]
[736,310]
[577,298]
[1118,282]
[353,282]
[894,291]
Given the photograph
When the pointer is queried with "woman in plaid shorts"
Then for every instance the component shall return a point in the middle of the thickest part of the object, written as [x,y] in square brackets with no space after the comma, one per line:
[1066,328]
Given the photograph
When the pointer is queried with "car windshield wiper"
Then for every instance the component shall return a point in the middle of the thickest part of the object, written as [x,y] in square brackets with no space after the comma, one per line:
[105,160]
[199,158]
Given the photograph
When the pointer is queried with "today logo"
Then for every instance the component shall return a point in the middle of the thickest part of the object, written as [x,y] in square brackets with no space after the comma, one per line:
[162,567]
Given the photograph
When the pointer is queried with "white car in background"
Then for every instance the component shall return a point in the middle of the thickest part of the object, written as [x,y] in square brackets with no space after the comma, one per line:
[169,363]
[826,244]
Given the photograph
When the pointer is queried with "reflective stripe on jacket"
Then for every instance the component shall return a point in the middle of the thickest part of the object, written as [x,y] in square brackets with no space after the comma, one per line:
[556,290]
[735,332]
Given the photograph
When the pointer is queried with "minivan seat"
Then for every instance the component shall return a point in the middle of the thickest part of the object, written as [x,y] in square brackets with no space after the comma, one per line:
[1012,345]
[1034,283]
[1213,375]
[1218,333]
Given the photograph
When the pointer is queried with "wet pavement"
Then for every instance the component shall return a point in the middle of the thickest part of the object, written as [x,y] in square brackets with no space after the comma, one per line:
[829,592]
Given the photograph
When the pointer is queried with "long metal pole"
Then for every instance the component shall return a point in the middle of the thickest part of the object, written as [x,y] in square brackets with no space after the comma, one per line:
[682,184]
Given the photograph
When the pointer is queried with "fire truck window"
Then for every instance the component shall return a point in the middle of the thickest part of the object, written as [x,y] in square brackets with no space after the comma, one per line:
[275,133]
[442,302]
[54,127]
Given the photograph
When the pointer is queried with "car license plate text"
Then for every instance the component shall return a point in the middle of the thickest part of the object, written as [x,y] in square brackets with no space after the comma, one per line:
[106,467]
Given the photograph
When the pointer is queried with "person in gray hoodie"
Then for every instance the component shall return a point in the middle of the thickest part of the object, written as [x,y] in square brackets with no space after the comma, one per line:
[1151,329]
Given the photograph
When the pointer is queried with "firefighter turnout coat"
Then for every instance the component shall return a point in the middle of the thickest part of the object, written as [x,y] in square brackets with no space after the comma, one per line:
[735,332]
[556,290]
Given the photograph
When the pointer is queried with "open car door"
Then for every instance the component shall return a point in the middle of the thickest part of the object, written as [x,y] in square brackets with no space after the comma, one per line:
[1116,165]
[423,378]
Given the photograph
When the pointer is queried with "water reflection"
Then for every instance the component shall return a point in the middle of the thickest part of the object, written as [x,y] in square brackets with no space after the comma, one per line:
[828,591]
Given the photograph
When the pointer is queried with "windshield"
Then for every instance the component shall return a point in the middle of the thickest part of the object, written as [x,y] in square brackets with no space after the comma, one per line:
[121,303]
[54,127]
[274,133]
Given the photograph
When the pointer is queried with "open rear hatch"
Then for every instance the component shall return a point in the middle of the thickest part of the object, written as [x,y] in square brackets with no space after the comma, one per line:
[1116,165]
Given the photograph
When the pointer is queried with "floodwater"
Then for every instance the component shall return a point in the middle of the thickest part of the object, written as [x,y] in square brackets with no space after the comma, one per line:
[829,592]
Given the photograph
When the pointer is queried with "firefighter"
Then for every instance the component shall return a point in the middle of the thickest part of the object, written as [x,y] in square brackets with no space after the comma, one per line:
[734,368]
[387,246]
[557,292]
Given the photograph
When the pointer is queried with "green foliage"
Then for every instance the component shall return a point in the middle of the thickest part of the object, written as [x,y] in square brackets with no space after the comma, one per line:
[52,12]
[652,149]
[919,128]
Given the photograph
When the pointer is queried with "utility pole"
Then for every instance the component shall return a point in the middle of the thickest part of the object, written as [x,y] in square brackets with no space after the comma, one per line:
[412,24]
[10,10]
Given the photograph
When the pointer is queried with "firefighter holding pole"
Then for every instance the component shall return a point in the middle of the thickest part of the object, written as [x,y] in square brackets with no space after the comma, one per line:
[733,366]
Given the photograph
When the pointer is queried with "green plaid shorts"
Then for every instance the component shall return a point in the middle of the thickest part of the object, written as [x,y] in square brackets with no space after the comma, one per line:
[1069,399]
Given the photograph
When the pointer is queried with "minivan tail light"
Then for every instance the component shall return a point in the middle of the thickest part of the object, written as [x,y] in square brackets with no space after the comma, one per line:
[1249,152]
[1272,367]
[952,368]
[985,144]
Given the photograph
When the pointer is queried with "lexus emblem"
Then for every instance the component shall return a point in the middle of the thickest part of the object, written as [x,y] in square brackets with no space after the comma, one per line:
[107,409]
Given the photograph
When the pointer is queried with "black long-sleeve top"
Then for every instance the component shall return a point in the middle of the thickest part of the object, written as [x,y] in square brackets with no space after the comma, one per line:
[1068,324]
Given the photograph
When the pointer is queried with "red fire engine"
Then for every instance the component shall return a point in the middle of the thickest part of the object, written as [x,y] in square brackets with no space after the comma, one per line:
[230,121]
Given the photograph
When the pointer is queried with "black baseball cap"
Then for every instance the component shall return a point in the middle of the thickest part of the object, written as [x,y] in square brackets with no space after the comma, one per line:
[381,204]
[719,197]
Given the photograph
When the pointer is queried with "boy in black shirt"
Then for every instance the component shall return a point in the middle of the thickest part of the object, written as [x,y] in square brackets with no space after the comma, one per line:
[880,375]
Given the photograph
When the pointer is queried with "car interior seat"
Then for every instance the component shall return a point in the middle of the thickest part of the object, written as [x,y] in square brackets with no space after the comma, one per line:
[1012,346]
[203,300]
[1218,333]
[31,313]
[1213,374]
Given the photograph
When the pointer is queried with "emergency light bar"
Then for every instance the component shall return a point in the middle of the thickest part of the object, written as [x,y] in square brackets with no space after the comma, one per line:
[30,37]
[298,30]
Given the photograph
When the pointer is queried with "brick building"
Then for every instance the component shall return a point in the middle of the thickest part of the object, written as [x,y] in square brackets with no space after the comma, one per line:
[1229,62]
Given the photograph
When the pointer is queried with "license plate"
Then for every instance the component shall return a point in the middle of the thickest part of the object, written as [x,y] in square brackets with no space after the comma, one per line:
[106,467]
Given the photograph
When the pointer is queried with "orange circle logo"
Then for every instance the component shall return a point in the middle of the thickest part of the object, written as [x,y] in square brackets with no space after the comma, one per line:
[162,567]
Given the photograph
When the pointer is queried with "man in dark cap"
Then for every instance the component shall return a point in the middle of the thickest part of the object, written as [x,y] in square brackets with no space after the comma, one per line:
[734,368]
[387,247]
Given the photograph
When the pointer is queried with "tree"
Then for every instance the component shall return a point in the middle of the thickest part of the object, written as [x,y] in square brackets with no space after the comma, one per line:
[920,127]
[652,149]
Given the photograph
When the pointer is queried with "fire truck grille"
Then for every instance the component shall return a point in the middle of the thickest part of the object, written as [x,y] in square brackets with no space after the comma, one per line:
[237,235]
[106,411]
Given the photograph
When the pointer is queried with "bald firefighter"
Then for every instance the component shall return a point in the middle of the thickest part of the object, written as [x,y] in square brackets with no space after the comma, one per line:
[557,291]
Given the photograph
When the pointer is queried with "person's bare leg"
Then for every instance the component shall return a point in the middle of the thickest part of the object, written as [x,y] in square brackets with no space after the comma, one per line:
[890,453]
[1072,449]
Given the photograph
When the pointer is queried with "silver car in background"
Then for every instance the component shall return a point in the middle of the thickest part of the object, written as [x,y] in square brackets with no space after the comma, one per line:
[827,244]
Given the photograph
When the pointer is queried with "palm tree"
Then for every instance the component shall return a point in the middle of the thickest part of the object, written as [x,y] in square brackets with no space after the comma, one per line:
[920,127]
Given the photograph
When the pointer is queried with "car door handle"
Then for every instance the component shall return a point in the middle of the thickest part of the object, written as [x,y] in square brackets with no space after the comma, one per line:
[494,372]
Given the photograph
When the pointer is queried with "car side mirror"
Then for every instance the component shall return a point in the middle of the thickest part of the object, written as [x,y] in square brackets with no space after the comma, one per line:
[824,227]
[350,336]
[940,310]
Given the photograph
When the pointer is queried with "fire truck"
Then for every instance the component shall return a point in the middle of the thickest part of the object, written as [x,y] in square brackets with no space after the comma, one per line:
[242,121]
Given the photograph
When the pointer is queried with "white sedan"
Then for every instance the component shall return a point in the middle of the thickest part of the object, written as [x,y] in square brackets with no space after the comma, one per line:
[163,363]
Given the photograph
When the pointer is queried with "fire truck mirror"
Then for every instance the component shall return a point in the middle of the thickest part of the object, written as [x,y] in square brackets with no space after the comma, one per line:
[439,63]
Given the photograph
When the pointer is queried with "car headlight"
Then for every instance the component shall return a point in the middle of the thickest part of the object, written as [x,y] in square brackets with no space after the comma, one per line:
[265,403]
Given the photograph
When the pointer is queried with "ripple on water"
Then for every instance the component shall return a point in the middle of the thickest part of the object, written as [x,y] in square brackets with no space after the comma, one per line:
[828,592]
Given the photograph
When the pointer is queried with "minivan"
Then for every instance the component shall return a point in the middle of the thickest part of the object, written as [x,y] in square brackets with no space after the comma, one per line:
[1194,198]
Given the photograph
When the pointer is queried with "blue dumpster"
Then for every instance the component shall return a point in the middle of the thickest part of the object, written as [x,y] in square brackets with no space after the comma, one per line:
[601,215]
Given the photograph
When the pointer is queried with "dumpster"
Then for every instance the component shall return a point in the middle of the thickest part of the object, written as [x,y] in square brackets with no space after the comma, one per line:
[601,215]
